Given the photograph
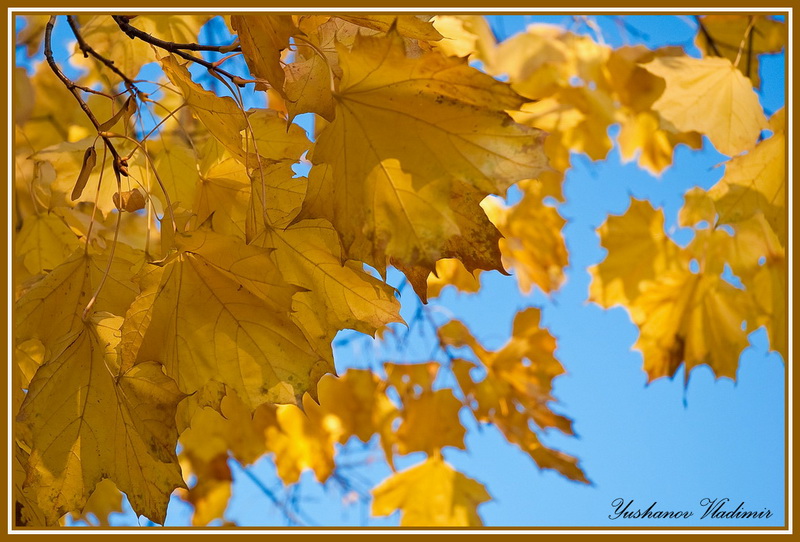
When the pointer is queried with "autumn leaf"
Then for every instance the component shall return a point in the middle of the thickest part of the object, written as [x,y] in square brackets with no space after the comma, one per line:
[465,35]
[210,494]
[516,389]
[120,425]
[411,26]
[451,272]
[430,494]
[712,97]
[221,115]
[26,511]
[44,242]
[637,236]
[303,439]
[753,183]
[223,310]
[52,307]
[106,499]
[262,38]
[532,243]
[357,399]
[693,319]
[742,38]
[427,99]
[337,294]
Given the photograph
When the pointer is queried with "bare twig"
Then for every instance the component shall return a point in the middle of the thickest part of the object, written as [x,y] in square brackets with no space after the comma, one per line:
[74,89]
[89,50]
[176,48]
[290,515]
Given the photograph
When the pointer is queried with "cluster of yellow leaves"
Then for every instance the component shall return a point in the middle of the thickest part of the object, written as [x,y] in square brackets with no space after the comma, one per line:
[195,299]
[697,316]
[513,396]
[213,278]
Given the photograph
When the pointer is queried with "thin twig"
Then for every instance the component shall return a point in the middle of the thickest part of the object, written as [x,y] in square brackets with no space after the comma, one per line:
[176,48]
[290,515]
[89,50]
[74,88]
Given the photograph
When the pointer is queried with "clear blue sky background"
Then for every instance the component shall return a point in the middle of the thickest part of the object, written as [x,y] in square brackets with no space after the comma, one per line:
[657,442]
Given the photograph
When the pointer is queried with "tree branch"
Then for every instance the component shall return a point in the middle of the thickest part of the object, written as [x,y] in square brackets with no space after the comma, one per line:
[74,89]
[176,48]
[89,50]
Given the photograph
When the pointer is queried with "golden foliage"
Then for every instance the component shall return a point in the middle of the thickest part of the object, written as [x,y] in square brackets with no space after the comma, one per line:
[183,286]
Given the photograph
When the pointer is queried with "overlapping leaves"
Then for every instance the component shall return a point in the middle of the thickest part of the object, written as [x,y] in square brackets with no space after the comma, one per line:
[206,310]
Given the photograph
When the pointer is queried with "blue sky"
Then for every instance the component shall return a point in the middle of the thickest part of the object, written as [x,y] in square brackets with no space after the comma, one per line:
[651,443]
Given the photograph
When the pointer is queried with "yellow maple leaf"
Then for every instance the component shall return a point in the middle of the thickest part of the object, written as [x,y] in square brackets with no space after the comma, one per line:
[338,294]
[441,112]
[430,422]
[303,439]
[545,58]
[451,272]
[517,387]
[119,425]
[580,116]
[44,242]
[638,250]
[465,35]
[262,39]
[106,499]
[697,207]
[709,96]
[755,182]
[176,164]
[756,256]
[183,28]
[532,242]
[646,137]
[769,287]
[430,494]
[410,26]
[218,310]
[211,492]
[221,115]
[53,306]
[26,510]
[358,400]
[693,319]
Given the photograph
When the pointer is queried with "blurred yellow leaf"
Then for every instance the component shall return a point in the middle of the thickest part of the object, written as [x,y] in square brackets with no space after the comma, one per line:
[430,494]
[262,39]
[517,387]
[532,242]
[710,96]
[638,250]
[742,37]
[693,319]
[105,500]
[755,182]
